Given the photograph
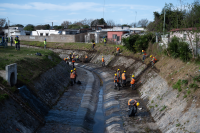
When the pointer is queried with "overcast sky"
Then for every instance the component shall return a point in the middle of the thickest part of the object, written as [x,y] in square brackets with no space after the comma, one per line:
[48,11]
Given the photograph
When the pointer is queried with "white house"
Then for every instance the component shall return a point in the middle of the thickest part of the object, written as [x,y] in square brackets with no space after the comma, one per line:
[15,31]
[46,32]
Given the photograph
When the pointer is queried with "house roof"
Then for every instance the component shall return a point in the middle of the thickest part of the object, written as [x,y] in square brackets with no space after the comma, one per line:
[183,29]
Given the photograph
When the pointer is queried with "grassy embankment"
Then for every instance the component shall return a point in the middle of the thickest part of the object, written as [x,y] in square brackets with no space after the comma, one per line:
[183,76]
[29,66]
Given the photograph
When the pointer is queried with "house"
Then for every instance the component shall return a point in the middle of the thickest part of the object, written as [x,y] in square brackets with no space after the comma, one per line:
[137,30]
[15,31]
[100,27]
[187,34]
[45,32]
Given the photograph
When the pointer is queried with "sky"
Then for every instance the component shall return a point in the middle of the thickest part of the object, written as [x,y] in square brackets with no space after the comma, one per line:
[47,11]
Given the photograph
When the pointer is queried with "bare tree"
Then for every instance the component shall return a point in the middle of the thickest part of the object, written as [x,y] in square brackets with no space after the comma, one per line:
[143,23]
[110,22]
[2,22]
[134,24]
[66,24]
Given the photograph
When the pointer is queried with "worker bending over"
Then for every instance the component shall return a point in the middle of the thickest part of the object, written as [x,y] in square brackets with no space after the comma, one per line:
[93,45]
[70,56]
[153,60]
[132,104]
[118,50]
[75,75]
[144,55]
[66,60]
[124,77]
[132,82]
[72,77]
[103,61]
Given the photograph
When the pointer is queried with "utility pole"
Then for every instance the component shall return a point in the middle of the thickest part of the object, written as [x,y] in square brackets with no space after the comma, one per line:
[164,22]
[8,26]
[135,15]
[103,9]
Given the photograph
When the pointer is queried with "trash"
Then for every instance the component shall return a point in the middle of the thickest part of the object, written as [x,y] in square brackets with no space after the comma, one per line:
[38,54]
[199,70]
[17,130]
[139,108]
[172,78]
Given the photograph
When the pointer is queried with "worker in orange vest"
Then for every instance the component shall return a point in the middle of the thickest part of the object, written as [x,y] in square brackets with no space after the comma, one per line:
[73,61]
[116,80]
[72,76]
[103,61]
[86,58]
[153,60]
[144,55]
[132,104]
[75,75]
[132,82]
[124,77]
[66,60]
[118,50]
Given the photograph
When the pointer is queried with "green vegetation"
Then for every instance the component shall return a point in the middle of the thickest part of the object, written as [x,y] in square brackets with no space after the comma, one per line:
[163,108]
[177,125]
[137,43]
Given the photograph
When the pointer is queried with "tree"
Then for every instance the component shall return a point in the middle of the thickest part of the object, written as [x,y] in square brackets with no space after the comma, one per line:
[126,25]
[6,26]
[56,27]
[134,24]
[110,22]
[2,22]
[65,24]
[143,23]
[98,22]
[29,27]
[42,27]
[17,25]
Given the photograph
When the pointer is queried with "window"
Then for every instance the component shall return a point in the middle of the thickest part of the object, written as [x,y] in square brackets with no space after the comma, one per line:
[47,34]
[184,37]
[41,34]
[114,36]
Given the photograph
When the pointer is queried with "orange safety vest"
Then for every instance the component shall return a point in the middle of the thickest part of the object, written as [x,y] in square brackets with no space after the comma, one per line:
[73,60]
[65,59]
[145,53]
[132,81]
[123,76]
[118,49]
[116,79]
[130,101]
[102,59]
[154,59]
[72,75]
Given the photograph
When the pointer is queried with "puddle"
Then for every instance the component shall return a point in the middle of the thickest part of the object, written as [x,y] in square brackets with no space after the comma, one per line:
[99,125]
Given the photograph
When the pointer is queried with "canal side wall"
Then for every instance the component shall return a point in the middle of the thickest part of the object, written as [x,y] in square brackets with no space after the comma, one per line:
[46,91]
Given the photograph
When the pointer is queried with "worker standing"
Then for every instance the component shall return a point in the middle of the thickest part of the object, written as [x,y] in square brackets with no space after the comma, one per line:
[70,56]
[116,81]
[75,75]
[118,50]
[45,43]
[153,61]
[17,43]
[118,74]
[73,61]
[124,77]
[72,76]
[77,57]
[144,55]
[104,41]
[132,104]
[93,45]
[132,82]
[11,41]
[103,61]
[73,56]
[86,58]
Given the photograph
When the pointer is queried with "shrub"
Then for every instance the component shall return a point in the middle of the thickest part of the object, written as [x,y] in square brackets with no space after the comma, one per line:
[177,85]
[173,47]
[184,81]
[193,85]
[184,51]
[197,78]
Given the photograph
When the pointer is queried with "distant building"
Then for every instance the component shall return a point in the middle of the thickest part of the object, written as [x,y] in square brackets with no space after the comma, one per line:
[45,32]
[15,31]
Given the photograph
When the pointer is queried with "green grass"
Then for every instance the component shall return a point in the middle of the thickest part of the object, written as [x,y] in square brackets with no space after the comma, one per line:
[177,85]
[163,108]
[29,66]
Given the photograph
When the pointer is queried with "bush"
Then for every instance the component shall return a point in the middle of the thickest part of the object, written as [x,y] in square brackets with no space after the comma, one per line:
[137,43]
[177,85]
[179,49]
